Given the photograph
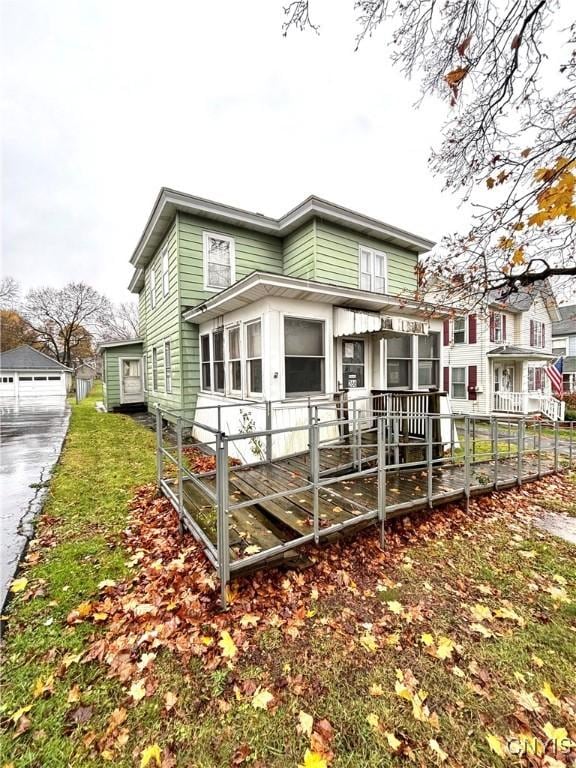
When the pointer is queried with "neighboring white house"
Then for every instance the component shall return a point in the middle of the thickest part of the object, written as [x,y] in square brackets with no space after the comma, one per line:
[28,376]
[495,358]
[564,344]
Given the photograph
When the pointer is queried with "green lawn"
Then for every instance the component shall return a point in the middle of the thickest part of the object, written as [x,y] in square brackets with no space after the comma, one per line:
[477,609]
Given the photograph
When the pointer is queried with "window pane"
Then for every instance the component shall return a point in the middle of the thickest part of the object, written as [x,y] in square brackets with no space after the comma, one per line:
[399,373]
[234,344]
[428,346]
[365,282]
[254,342]
[219,377]
[304,374]
[379,285]
[379,265]
[218,251]
[205,344]
[400,347]
[365,261]
[205,375]
[428,373]
[303,337]
[235,376]
[353,376]
[218,344]
[353,351]
[219,275]
[255,374]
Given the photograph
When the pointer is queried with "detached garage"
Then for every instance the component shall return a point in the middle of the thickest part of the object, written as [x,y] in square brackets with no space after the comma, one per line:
[28,376]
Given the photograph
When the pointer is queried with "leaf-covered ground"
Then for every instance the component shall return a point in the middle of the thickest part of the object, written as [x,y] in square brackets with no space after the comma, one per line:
[455,646]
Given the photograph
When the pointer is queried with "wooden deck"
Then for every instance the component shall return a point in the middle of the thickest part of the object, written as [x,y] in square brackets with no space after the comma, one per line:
[270,523]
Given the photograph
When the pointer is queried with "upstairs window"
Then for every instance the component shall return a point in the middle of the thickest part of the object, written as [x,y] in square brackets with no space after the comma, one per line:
[168,366]
[165,273]
[459,330]
[372,270]
[218,352]
[234,362]
[254,357]
[206,364]
[537,334]
[152,286]
[219,261]
[303,356]
[497,327]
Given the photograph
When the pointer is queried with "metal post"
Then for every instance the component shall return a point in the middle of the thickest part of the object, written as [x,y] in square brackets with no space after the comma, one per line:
[158,446]
[520,439]
[180,475]
[429,447]
[268,428]
[556,455]
[467,460]
[354,436]
[539,454]
[222,533]
[495,449]
[219,418]
[315,471]
[396,438]
[571,442]
[381,450]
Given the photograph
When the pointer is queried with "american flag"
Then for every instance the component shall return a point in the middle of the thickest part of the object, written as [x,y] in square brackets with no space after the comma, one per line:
[554,373]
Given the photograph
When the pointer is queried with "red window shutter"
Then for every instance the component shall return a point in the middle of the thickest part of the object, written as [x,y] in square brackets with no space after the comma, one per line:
[492,327]
[504,337]
[472,381]
[532,333]
[538,378]
[472,329]
[543,335]
[446,379]
[446,332]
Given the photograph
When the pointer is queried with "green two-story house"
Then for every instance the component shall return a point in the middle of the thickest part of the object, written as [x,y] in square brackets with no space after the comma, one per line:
[237,308]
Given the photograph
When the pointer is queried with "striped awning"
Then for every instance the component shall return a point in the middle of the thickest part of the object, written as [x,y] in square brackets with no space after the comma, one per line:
[351,322]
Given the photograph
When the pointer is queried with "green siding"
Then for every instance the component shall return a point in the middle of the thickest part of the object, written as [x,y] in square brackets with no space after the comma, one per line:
[299,251]
[337,253]
[163,324]
[111,357]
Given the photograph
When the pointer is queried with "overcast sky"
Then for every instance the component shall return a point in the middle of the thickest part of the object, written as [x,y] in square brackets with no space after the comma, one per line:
[105,102]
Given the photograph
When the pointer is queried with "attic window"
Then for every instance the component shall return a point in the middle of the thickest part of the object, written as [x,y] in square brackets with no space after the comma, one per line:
[219,261]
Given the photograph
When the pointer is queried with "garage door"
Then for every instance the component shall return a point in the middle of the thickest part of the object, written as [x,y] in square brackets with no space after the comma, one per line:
[7,386]
[40,386]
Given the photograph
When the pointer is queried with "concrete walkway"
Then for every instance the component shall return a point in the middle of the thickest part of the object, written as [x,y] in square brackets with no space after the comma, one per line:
[30,443]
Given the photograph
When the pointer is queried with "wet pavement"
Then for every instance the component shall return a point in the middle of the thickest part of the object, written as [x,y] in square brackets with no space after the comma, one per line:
[31,439]
[559,525]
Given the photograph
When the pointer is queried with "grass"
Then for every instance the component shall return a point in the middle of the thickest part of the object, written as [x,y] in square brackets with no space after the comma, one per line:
[322,670]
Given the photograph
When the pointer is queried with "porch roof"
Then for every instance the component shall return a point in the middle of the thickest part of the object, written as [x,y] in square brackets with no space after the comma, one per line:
[259,285]
[519,353]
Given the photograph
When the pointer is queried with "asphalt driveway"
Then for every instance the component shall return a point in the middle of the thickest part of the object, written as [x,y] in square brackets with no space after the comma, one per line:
[31,439]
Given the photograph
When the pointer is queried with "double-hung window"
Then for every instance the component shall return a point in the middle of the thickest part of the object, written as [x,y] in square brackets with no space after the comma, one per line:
[206,364]
[429,360]
[145,371]
[499,327]
[303,356]
[372,270]
[219,261]
[254,357]
[152,286]
[459,330]
[165,273]
[154,369]
[535,379]
[234,361]
[168,366]
[537,334]
[459,383]
[399,362]
[218,354]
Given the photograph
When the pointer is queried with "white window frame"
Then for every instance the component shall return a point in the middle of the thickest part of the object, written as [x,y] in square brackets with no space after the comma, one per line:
[206,362]
[498,327]
[145,372]
[373,253]
[228,360]
[165,272]
[465,329]
[324,356]
[152,286]
[121,361]
[460,383]
[214,361]
[249,360]
[168,368]
[217,236]
[538,334]
[155,369]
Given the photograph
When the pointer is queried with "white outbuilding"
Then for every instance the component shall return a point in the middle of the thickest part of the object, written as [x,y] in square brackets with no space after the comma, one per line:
[28,376]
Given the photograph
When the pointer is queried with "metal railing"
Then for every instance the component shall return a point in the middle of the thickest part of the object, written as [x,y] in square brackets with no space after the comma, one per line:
[530,402]
[455,458]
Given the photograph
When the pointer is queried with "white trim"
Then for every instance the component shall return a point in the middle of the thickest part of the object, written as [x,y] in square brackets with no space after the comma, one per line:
[451,382]
[121,378]
[165,262]
[228,361]
[374,253]
[167,390]
[152,284]
[324,356]
[247,360]
[145,372]
[153,388]
[452,331]
[206,235]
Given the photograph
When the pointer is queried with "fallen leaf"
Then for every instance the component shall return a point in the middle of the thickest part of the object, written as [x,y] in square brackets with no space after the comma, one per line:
[427,639]
[152,752]
[527,701]
[19,585]
[395,606]
[74,695]
[249,620]
[369,642]
[495,744]
[555,734]
[548,694]
[170,700]
[138,690]
[445,648]
[313,760]
[373,721]
[393,742]
[305,722]
[435,747]
[262,697]
[228,646]
[376,690]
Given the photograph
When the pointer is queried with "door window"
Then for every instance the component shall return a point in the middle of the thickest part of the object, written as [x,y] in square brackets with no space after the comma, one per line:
[352,363]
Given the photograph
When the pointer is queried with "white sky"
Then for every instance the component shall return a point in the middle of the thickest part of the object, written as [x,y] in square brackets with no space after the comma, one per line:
[106,101]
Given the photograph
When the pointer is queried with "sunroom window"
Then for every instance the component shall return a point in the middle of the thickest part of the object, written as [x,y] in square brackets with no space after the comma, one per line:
[218,351]
[303,356]
[234,363]
[254,357]
[218,261]
[206,365]
[372,270]
[399,362]
[429,360]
